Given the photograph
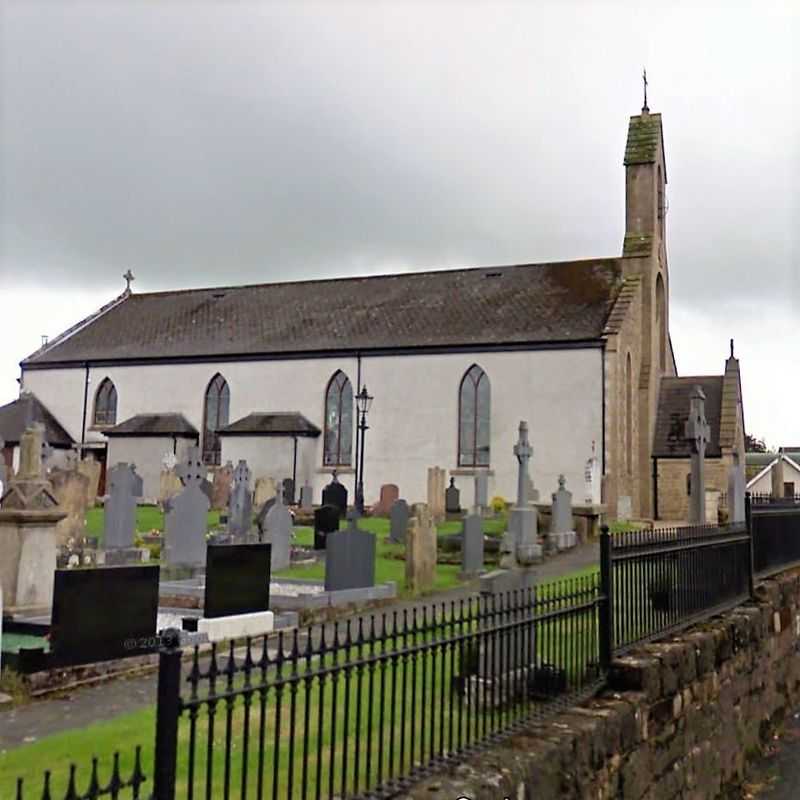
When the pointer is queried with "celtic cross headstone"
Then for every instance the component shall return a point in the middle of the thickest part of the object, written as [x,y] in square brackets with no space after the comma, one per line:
[698,433]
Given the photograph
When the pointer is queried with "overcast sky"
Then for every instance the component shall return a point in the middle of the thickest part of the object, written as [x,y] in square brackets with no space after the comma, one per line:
[203,143]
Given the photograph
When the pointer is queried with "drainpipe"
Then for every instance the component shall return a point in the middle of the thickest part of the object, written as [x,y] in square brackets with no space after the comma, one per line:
[85,403]
[355,417]
[294,467]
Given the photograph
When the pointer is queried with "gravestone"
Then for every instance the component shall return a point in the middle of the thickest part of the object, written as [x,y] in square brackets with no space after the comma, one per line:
[186,516]
[389,495]
[240,505]
[420,550]
[221,486]
[562,524]
[28,520]
[520,544]
[169,460]
[349,559]
[266,488]
[278,533]
[104,613]
[452,498]
[169,485]
[335,494]
[472,546]
[125,486]
[436,506]
[91,469]
[591,479]
[237,580]
[306,497]
[288,491]
[326,521]
[736,491]
[698,432]
[398,521]
[194,470]
[71,489]
[481,491]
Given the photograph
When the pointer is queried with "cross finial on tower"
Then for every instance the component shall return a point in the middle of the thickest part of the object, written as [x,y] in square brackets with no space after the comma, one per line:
[645,109]
[128,278]
[732,355]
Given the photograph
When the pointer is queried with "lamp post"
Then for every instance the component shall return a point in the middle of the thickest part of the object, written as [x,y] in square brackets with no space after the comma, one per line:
[363,403]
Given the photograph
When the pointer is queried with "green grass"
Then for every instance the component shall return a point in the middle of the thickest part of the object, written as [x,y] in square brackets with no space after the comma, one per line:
[148,518]
[317,721]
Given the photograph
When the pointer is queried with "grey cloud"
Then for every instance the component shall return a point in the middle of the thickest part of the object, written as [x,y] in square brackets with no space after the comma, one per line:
[204,143]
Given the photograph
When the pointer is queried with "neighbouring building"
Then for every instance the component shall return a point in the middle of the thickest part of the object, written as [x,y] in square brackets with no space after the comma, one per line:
[453,358]
[779,473]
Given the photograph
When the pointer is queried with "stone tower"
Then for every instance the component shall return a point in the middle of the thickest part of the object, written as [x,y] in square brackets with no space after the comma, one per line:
[645,254]
[639,351]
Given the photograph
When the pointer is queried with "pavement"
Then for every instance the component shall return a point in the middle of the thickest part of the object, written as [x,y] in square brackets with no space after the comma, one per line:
[777,775]
[77,708]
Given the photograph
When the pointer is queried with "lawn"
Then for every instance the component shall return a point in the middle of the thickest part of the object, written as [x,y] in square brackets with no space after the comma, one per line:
[320,712]
[389,565]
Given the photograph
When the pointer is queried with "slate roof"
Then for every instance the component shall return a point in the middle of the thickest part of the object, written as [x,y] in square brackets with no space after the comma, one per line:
[673,411]
[16,416]
[279,423]
[534,303]
[154,425]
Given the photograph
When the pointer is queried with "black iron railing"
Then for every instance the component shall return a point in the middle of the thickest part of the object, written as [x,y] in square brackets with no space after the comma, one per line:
[775,528]
[115,787]
[665,580]
[367,707]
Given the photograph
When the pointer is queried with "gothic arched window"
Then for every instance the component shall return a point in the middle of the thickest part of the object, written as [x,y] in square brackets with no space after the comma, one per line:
[216,412]
[338,422]
[474,412]
[105,403]
[661,322]
[629,415]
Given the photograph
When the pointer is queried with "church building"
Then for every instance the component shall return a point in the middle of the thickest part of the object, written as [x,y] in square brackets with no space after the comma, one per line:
[453,360]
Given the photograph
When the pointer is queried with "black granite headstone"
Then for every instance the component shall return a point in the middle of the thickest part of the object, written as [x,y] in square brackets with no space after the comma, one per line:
[288,491]
[326,520]
[237,579]
[335,494]
[103,613]
[452,498]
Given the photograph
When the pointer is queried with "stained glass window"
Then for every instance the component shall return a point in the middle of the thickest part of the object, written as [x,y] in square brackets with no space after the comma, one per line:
[338,422]
[105,404]
[216,413]
[474,416]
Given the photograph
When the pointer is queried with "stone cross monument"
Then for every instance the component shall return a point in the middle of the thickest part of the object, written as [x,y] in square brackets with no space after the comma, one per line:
[520,546]
[698,433]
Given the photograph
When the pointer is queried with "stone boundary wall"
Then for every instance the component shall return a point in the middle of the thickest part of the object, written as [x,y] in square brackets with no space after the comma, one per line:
[681,718]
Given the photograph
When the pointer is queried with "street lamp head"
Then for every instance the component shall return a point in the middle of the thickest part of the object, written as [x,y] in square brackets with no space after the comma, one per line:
[364,400]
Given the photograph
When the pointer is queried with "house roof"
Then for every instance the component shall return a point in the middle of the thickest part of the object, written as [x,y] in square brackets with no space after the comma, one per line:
[673,412]
[557,303]
[154,425]
[768,468]
[279,423]
[18,415]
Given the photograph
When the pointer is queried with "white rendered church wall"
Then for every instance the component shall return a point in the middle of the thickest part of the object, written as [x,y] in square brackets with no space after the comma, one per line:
[413,423]
[61,390]
[267,456]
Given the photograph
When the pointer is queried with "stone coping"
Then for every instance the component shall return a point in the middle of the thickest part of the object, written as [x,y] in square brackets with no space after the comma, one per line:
[31,516]
[679,717]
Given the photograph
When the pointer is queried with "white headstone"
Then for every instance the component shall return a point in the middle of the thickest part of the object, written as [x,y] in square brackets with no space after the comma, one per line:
[591,476]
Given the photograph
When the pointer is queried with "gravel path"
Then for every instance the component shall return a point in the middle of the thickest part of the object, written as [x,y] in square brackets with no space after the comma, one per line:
[82,706]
